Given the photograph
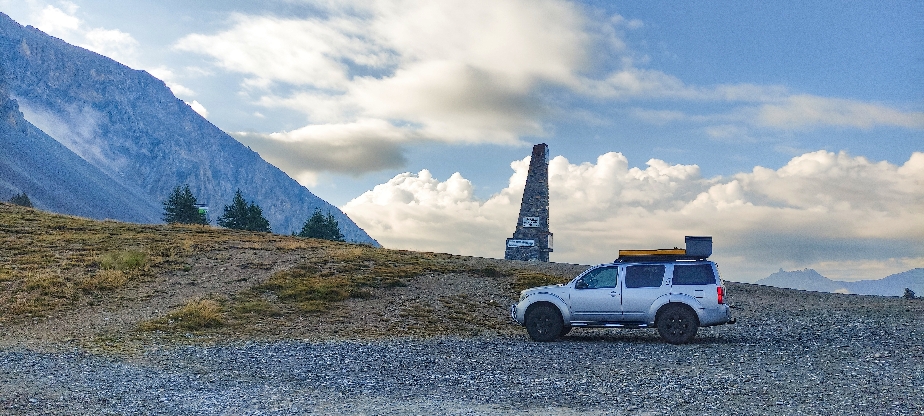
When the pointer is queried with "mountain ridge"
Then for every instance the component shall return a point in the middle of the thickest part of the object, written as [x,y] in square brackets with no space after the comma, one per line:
[73,185]
[130,126]
[811,280]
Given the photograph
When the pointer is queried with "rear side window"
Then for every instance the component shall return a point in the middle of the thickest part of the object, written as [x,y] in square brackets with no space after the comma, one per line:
[694,274]
[644,276]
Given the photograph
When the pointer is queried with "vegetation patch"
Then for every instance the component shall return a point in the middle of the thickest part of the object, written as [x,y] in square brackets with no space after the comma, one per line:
[50,262]
[196,315]
[124,260]
[59,266]
[525,279]
[104,279]
[344,271]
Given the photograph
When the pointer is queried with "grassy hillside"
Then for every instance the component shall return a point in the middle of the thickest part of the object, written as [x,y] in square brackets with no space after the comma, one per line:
[67,281]
[65,278]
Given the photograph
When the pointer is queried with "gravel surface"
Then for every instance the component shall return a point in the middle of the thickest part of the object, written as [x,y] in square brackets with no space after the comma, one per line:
[865,361]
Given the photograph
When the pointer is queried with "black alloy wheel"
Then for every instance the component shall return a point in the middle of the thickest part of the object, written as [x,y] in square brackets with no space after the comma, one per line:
[677,324]
[544,323]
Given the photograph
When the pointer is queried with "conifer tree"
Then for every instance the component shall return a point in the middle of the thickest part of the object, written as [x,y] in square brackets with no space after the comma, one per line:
[21,200]
[180,208]
[320,227]
[243,216]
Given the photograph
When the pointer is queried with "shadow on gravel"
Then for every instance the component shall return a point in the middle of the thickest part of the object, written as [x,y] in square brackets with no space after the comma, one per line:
[642,338]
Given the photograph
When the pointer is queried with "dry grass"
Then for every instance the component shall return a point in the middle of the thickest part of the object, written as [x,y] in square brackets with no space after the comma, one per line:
[56,266]
[525,279]
[124,260]
[196,315]
[51,262]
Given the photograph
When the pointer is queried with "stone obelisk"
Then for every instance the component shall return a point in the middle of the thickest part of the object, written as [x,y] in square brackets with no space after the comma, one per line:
[532,240]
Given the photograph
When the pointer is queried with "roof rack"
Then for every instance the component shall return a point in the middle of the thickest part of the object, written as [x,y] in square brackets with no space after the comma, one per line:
[698,248]
[657,258]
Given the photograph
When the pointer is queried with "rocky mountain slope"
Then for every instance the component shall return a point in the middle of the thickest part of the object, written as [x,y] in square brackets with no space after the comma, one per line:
[808,279]
[129,125]
[55,178]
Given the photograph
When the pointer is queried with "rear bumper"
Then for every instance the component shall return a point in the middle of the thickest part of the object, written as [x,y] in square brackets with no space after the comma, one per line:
[716,316]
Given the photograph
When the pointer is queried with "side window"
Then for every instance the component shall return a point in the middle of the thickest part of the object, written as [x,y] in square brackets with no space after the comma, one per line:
[644,276]
[694,274]
[600,278]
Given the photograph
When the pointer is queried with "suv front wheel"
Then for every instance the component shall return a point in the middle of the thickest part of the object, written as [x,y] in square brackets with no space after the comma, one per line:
[677,324]
[544,323]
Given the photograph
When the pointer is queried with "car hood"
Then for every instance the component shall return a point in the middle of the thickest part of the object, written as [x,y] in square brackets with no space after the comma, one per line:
[548,289]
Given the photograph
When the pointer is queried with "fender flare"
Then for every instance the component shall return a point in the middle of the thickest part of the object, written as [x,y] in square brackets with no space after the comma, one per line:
[547,298]
[681,298]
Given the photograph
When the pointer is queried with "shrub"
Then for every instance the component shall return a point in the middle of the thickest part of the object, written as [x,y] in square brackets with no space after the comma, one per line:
[180,208]
[197,314]
[319,226]
[123,260]
[21,200]
[243,216]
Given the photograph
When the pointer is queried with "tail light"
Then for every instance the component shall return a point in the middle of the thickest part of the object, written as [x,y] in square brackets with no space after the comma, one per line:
[720,291]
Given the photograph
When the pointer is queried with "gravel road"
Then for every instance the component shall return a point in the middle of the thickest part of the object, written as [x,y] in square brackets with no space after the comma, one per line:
[781,362]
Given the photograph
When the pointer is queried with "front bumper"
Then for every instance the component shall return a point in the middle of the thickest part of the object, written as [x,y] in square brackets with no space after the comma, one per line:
[513,314]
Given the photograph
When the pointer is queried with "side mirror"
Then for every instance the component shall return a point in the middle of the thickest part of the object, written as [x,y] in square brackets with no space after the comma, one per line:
[580,284]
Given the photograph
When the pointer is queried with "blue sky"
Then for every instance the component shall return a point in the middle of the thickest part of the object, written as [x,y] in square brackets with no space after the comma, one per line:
[792,131]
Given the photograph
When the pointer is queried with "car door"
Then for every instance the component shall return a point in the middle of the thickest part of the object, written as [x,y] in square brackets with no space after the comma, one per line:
[641,284]
[596,297]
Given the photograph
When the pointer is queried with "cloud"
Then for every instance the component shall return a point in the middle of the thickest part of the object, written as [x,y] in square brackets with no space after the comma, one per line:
[63,23]
[199,108]
[167,75]
[419,211]
[354,148]
[311,52]
[772,109]
[467,72]
[818,210]
[456,70]
[452,71]
[806,111]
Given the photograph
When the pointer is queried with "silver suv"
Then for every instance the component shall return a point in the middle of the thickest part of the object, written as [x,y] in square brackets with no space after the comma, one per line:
[676,291]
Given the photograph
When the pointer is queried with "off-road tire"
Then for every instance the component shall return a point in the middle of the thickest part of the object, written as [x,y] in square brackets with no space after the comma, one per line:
[565,330]
[677,324]
[543,323]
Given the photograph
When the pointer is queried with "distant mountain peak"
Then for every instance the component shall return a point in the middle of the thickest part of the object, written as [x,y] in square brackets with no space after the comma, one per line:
[809,279]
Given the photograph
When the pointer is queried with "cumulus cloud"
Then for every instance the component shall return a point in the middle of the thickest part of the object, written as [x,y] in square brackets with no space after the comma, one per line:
[820,210]
[63,23]
[457,70]
[461,71]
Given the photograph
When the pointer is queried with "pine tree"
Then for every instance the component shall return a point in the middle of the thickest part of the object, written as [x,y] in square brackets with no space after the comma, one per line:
[180,208]
[243,216]
[21,200]
[320,227]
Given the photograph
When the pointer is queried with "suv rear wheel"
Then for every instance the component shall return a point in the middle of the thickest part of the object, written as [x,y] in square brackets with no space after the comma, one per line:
[543,323]
[677,324]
